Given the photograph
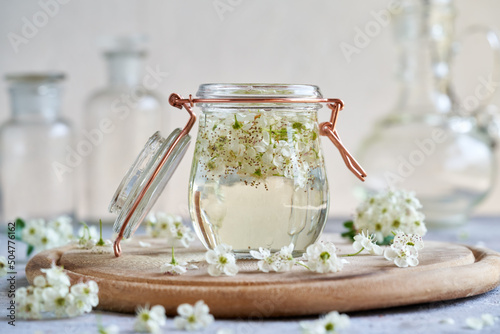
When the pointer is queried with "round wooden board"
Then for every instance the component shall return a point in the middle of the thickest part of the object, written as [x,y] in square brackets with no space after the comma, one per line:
[446,271]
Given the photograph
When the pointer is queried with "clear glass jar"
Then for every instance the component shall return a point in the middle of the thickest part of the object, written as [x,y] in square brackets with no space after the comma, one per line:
[37,180]
[258,176]
[119,119]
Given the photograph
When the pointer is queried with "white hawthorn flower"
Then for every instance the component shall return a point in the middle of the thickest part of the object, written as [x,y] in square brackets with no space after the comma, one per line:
[366,241]
[390,211]
[221,260]
[265,259]
[150,320]
[87,293]
[330,323]
[284,260]
[105,248]
[174,269]
[3,266]
[193,317]
[57,301]
[402,257]
[404,250]
[56,276]
[28,306]
[322,258]
[411,240]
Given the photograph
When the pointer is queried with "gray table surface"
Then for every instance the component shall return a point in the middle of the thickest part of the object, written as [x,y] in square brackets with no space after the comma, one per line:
[420,318]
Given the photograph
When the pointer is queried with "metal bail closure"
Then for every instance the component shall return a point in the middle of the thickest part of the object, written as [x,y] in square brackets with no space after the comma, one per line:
[328,129]
[148,176]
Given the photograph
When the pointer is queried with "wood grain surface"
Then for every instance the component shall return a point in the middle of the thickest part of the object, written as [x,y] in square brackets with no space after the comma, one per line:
[446,271]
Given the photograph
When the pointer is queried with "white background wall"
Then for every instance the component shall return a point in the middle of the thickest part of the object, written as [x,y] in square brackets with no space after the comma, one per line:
[288,41]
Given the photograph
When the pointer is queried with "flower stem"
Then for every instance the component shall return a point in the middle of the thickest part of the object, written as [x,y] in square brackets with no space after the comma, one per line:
[101,241]
[353,254]
[174,262]
[303,265]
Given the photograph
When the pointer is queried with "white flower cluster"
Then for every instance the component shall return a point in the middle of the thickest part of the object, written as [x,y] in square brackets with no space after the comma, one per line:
[221,260]
[279,261]
[390,211]
[163,225]
[258,144]
[330,323]
[322,258]
[43,234]
[3,266]
[53,293]
[404,249]
[150,320]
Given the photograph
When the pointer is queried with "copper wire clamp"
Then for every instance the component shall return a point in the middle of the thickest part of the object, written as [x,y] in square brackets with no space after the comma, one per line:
[326,129]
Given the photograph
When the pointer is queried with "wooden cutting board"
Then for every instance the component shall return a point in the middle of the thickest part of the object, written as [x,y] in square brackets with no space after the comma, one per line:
[446,271]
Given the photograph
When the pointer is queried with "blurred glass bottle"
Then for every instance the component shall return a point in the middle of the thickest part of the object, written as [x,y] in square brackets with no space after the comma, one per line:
[36,181]
[119,119]
[429,142]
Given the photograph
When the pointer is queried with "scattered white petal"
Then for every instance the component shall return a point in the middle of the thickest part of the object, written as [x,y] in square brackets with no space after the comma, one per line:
[447,321]
[144,244]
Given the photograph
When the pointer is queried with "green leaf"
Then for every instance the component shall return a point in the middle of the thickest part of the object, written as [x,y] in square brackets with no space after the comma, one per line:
[30,250]
[349,224]
[351,231]
[387,240]
[20,225]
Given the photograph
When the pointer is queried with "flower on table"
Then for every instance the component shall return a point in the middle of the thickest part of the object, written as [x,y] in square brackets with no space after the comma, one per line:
[322,258]
[266,259]
[221,260]
[85,297]
[279,261]
[150,320]
[3,266]
[52,293]
[330,323]
[87,236]
[175,267]
[193,317]
[404,250]
[58,301]
[366,242]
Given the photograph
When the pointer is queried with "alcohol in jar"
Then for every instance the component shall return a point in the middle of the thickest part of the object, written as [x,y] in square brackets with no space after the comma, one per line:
[258,180]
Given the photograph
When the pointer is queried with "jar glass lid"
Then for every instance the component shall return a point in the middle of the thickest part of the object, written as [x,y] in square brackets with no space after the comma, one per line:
[144,182]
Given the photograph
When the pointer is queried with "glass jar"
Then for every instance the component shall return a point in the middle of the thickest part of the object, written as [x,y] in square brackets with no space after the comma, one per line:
[258,177]
[119,118]
[36,174]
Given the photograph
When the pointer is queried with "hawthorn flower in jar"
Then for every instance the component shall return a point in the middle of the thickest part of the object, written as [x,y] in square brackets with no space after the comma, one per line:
[258,177]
